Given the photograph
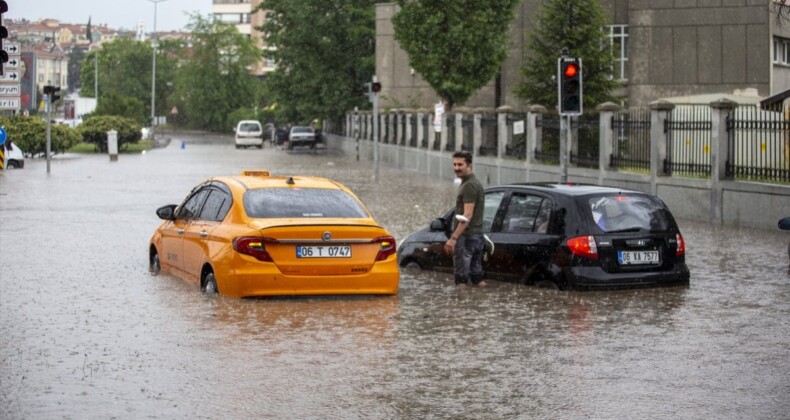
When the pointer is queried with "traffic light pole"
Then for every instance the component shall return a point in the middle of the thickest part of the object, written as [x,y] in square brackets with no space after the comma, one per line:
[565,136]
[375,134]
[48,98]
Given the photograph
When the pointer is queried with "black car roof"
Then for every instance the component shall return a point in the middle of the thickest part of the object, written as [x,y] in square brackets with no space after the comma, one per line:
[568,189]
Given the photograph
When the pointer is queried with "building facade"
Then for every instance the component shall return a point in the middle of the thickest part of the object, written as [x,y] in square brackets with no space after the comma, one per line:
[240,14]
[663,48]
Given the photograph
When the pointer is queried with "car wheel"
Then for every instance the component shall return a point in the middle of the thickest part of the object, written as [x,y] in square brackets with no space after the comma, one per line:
[153,264]
[414,265]
[547,284]
[210,284]
[13,164]
[238,147]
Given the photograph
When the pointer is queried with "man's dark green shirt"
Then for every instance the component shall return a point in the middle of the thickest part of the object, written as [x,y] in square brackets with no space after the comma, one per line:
[471,191]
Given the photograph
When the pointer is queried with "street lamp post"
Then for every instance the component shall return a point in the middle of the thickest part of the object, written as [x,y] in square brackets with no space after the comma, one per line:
[153,74]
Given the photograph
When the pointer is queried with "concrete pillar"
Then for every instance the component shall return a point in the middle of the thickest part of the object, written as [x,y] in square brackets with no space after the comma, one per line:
[719,144]
[459,130]
[420,128]
[112,145]
[443,134]
[659,113]
[477,132]
[408,126]
[606,111]
[501,142]
[534,133]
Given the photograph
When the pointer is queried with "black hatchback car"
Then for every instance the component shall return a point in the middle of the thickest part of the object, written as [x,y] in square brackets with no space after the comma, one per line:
[566,236]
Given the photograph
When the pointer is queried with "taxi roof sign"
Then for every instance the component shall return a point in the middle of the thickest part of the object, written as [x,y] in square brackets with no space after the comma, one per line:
[251,172]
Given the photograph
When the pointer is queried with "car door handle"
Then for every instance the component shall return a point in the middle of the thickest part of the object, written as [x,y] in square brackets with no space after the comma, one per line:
[180,231]
[203,234]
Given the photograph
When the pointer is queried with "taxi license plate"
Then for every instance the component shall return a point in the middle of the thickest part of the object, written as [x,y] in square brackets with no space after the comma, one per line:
[323,251]
[637,257]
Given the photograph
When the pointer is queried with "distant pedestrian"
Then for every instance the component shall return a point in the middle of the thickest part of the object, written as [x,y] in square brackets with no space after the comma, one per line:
[466,241]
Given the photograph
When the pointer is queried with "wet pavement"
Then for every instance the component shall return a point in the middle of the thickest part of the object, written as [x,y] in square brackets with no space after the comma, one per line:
[87,332]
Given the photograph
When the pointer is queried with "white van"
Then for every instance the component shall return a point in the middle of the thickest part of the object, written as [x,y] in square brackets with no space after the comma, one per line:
[249,133]
[14,158]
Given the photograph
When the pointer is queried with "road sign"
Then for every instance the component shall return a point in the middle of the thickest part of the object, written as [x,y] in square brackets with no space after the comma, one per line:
[3,136]
[12,48]
[12,63]
[9,103]
[9,90]
[12,76]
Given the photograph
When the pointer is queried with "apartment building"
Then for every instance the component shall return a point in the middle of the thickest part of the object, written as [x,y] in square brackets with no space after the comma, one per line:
[240,13]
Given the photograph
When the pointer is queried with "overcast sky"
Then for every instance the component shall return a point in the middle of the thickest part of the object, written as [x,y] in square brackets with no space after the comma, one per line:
[170,14]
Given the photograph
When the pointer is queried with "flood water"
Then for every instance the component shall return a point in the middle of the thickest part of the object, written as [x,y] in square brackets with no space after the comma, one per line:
[87,332]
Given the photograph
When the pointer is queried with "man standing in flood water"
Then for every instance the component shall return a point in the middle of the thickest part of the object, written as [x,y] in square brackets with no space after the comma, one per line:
[466,241]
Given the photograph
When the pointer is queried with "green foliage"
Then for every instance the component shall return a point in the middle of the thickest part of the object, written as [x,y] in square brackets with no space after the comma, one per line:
[215,80]
[30,134]
[578,25]
[324,53]
[456,46]
[94,130]
[126,106]
[125,67]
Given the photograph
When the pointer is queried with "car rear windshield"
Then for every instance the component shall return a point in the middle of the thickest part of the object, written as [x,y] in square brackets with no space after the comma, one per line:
[628,212]
[302,130]
[301,202]
[246,127]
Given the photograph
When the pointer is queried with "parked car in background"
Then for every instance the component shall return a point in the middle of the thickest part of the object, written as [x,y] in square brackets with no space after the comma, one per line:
[567,237]
[301,137]
[14,157]
[249,133]
[784,224]
[259,235]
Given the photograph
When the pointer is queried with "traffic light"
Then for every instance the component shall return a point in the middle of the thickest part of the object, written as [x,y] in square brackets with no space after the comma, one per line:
[52,92]
[375,87]
[569,84]
[3,35]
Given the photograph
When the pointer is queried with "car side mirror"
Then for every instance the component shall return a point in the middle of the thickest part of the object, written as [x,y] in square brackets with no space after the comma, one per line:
[784,224]
[166,212]
[438,224]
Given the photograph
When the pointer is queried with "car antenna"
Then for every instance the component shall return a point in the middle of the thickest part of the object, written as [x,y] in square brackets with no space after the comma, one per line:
[290,181]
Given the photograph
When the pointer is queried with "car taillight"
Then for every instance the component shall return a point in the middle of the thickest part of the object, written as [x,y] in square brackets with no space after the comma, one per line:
[253,246]
[387,244]
[583,246]
[681,249]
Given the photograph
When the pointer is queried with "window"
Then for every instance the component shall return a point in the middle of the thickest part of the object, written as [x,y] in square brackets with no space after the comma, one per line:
[216,207]
[627,212]
[781,51]
[492,201]
[522,213]
[301,202]
[190,209]
[618,39]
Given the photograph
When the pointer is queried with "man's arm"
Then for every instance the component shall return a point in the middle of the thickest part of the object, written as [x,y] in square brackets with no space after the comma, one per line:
[469,209]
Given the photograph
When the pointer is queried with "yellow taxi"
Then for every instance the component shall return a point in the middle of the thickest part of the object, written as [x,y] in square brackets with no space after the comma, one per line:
[261,235]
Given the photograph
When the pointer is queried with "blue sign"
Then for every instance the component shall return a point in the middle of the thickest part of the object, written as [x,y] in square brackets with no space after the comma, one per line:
[3,136]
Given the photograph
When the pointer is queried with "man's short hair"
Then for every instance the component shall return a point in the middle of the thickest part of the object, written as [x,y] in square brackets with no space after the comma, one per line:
[463,154]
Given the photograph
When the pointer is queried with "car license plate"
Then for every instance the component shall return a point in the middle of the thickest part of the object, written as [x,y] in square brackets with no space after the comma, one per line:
[323,251]
[637,257]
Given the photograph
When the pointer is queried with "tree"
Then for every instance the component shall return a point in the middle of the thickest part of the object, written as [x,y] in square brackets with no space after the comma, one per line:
[579,26]
[456,46]
[215,80]
[124,67]
[323,52]
[94,130]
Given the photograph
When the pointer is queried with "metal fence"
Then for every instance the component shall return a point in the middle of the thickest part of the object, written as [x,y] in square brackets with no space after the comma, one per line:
[758,145]
[688,146]
[517,143]
[490,133]
[631,139]
[549,150]
[588,141]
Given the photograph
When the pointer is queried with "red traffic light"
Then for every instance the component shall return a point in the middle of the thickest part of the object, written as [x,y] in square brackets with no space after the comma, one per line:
[375,87]
[571,70]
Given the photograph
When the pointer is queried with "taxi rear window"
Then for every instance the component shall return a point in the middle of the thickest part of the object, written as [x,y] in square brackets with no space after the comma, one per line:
[301,202]
[625,212]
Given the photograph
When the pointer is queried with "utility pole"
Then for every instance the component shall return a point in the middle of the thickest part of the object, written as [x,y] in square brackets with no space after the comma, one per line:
[375,88]
[153,74]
